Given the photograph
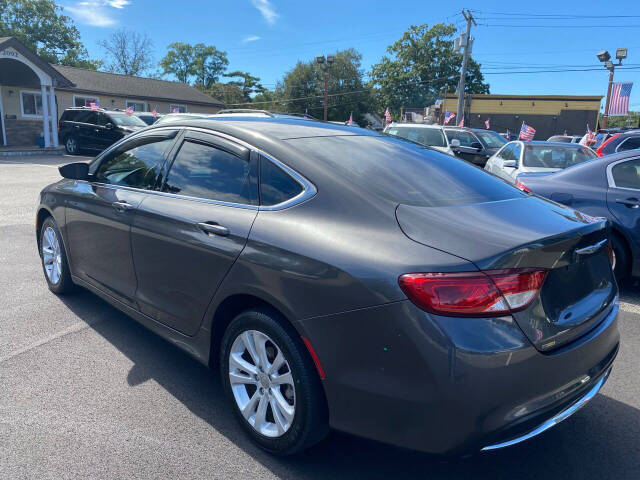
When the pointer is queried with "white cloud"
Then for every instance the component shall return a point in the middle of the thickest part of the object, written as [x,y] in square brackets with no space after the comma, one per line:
[250,38]
[267,10]
[97,13]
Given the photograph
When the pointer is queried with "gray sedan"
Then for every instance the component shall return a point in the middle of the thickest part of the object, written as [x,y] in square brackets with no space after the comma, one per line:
[535,157]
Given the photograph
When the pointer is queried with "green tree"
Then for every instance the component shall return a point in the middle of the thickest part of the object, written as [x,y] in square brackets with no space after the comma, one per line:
[209,64]
[248,85]
[303,86]
[630,120]
[228,93]
[421,65]
[179,61]
[42,27]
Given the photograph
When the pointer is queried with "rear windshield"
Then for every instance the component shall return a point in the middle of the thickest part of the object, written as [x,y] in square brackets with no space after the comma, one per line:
[555,156]
[491,139]
[404,172]
[433,137]
[560,138]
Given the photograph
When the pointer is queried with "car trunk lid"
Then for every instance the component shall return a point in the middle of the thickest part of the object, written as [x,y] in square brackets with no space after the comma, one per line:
[529,233]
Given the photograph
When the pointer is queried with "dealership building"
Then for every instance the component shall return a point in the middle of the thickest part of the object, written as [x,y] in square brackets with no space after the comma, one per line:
[34,93]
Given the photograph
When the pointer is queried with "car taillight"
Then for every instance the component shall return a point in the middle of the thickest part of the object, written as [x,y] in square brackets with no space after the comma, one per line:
[599,150]
[488,293]
[523,187]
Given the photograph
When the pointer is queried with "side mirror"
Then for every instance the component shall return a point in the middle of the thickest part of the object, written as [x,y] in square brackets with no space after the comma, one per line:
[476,145]
[455,142]
[75,171]
[109,126]
[509,164]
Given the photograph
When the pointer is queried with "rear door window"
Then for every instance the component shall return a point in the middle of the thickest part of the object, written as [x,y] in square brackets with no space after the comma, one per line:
[204,171]
[629,144]
[626,174]
[465,138]
[276,185]
[507,152]
[433,137]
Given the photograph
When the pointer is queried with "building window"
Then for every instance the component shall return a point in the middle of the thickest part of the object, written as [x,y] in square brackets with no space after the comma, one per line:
[31,104]
[82,101]
[177,109]
[137,106]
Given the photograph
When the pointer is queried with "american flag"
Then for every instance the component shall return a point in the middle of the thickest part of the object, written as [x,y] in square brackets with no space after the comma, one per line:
[94,106]
[591,137]
[619,103]
[155,113]
[448,116]
[351,119]
[176,110]
[387,116]
[129,110]
[526,132]
[487,123]
[508,135]
[461,123]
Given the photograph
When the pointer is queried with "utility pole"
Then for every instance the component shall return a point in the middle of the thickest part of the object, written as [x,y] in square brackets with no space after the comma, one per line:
[605,118]
[325,64]
[465,59]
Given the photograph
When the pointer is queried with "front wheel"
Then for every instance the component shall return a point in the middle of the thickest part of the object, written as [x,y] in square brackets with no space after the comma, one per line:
[272,383]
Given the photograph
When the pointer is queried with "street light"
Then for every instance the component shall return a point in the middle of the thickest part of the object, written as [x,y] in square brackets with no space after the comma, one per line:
[605,57]
[325,64]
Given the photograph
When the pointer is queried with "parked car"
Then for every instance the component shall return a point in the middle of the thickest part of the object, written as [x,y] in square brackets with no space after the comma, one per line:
[81,129]
[619,142]
[602,135]
[173,117]
[474,144]
[565,138]
[148,117]
[608,187]
[342,278]
[535,157]
[429,135]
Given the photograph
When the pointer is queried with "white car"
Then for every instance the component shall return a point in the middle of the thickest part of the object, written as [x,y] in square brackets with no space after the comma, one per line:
[430,135]
[536,157]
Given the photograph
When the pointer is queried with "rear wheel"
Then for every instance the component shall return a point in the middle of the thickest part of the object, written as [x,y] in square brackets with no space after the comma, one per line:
[272,383]
[71,145]
[621,266]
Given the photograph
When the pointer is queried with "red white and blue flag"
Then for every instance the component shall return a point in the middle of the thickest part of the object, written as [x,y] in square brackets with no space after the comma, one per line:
[448,116]
[129,110]
[94,106]
[351,119]
[155,113]
[619,103]
[487,123]
[526,132]
[591,137]
[461,123]
[176,110]
[508,135]
[387,116]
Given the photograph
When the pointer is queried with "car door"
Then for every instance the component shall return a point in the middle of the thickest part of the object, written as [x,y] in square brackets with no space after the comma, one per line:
[497,163]
[107,134]
[623,194]
[100,212]
[470,148]
[631,143]
[186,238]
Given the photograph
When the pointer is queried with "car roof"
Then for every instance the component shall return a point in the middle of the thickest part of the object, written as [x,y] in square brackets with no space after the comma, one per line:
[558,144]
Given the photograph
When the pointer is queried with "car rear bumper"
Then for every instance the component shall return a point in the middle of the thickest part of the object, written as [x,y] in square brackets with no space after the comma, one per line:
[450,385]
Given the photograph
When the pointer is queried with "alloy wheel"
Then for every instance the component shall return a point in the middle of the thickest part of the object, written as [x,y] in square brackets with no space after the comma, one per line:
[262,383]
[72,145]
[51,255]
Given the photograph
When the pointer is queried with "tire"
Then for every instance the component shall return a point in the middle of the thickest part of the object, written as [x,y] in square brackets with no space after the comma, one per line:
[621,258]
[54,258]
[71,145]
[308,423]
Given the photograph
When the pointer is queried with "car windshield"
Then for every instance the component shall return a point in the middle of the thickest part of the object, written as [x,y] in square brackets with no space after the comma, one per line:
[404,172]
[124,120]
[555,156]
[433,137]
[491,139]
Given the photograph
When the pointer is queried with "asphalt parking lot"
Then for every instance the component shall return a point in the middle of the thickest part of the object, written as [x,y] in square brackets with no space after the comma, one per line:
[85,392]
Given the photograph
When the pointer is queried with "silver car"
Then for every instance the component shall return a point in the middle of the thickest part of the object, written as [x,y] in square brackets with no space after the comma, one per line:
[536,157]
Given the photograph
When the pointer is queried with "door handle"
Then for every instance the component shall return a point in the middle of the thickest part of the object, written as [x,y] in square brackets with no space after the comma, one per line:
[629,202]
[122,206]
[213,228]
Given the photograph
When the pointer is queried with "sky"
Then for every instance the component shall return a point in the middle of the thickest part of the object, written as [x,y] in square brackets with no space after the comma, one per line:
[268,37]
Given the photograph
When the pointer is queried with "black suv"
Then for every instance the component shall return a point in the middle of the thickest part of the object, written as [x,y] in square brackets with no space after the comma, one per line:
[474,144]
[82,128]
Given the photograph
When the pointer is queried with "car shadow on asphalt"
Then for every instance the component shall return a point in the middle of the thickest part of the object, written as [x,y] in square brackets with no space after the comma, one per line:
[600,441]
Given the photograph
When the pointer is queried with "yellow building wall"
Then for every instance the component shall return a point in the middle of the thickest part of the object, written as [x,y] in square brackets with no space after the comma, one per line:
[522,106]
